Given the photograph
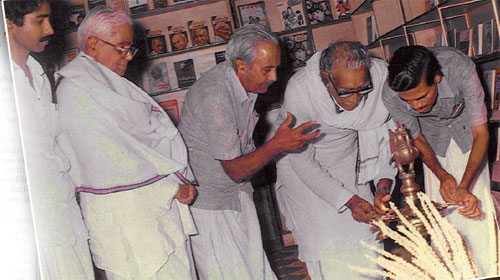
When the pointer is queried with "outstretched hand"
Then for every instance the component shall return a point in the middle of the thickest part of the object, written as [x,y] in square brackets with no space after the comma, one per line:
[288,139]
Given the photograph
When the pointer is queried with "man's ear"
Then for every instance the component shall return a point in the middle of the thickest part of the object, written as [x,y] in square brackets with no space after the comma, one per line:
[437,79]
[91,46]
[11,27]
[324,74]
[240,66]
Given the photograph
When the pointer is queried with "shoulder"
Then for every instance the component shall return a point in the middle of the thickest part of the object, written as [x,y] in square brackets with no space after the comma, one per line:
[452,59]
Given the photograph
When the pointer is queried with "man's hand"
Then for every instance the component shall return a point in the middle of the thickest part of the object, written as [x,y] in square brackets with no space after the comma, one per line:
[471,209]
[448,188]
[360,209]
[185,194]
[287,139]
[381,200]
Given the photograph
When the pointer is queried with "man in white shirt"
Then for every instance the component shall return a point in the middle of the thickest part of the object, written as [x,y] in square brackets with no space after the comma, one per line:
[60,232]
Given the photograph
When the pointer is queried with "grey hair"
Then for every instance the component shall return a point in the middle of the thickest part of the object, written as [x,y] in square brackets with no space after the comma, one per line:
[99,22]
[349,55]
[244,41]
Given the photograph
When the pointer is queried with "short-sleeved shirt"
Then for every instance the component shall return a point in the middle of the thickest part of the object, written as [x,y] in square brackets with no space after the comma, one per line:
[217,123]
[459,104]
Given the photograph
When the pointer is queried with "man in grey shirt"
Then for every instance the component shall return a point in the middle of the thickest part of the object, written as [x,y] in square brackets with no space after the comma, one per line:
[437,95]
[217,123]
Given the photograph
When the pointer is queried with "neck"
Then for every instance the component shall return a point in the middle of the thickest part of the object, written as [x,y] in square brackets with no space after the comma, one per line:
[18,54]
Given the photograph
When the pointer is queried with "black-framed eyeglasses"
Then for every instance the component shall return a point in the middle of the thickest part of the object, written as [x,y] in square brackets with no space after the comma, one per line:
[343,93]
[125,51]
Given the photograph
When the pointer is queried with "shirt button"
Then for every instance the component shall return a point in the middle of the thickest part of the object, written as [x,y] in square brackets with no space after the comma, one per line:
[449,126]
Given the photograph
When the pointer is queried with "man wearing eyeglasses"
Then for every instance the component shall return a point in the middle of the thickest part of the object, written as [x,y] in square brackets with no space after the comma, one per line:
[61,236]
[128,160]
[324,190]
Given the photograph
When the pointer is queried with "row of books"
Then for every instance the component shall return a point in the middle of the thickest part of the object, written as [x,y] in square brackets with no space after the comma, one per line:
[479,40]
[156,78]
[194,34]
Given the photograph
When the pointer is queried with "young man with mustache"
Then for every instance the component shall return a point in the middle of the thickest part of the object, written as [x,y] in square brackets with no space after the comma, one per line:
[60,232]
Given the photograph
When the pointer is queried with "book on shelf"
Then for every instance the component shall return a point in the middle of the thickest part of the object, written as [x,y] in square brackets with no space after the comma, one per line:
[291,14]
[220,57]
[253,13]
[94,3]
[198,31]
[299,47]
[137,6]
[492,83]
[158,4]
[157,75]
[186,75]
[494,34]
[464,42]
[451,36]
[171,108]
[475,40]
[342,8]
[222,28]
[318,11]
[371,28]
[487,37]
[157,43]
[178,37]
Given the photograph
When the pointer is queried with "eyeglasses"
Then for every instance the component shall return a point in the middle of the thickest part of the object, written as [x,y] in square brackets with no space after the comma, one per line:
[125,51]
[346,93]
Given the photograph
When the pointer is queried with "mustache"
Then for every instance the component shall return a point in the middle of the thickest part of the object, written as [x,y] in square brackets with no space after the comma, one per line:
[46,38]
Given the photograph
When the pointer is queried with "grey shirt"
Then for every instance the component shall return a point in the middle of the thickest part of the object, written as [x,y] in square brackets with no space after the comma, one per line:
[217,122]
[459,105]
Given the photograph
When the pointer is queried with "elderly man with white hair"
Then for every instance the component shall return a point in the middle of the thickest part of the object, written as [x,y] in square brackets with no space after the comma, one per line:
[128,160]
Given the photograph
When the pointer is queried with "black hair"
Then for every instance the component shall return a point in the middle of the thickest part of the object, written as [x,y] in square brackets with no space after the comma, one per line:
[16,10]
[409,64]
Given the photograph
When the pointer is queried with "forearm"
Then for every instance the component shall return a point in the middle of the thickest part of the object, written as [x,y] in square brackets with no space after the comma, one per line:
[319,180]
[246,165]
[479,146]
[429,157]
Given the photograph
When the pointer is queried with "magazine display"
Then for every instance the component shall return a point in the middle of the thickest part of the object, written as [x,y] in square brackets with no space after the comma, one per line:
[186,75]
[299,47]
[220,57]
[158,78]
[157,44]
[253,13]
[343,8]
[291,13]
[318,11]
[178,37]
[222,28]
[172,109]
[199,33]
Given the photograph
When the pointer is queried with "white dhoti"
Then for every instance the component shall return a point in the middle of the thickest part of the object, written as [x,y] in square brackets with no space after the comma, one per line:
[229,245]
[61,262]
[473,231]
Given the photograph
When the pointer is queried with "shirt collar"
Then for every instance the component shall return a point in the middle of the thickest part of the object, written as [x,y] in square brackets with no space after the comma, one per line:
[240,93]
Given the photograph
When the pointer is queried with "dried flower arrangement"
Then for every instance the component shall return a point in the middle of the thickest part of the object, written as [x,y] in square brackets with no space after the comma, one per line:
[447,259]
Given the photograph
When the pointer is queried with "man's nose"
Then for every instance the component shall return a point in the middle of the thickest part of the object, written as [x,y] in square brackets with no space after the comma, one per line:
[273,76]
[48,30]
